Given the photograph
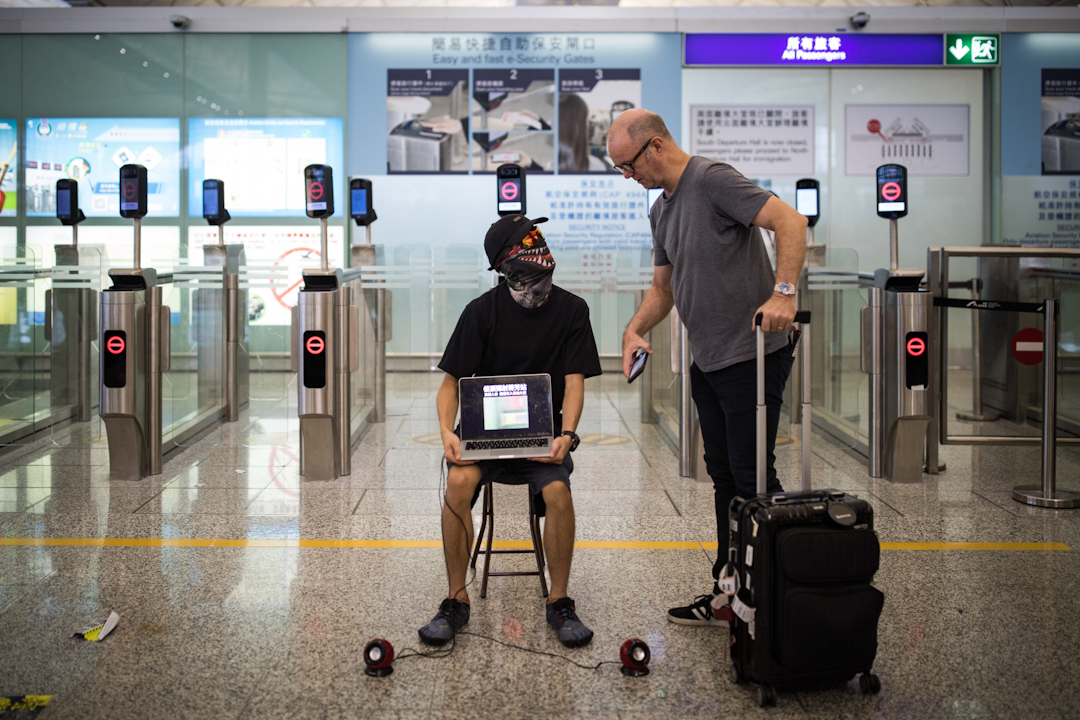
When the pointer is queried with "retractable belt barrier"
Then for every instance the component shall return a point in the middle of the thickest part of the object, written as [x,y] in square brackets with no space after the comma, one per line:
[1046,494]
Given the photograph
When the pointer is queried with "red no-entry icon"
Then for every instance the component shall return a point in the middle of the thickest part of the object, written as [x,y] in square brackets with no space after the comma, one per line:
[315,191]
[890,191]
[315,345]
[131,189]
[1027,346]
[115,345]
[916,347]
[509,191]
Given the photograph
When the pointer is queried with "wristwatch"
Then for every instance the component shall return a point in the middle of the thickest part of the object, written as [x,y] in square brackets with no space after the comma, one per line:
[785,288]
[574,439]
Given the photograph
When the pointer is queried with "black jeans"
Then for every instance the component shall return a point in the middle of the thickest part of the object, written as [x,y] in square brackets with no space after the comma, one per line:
[726,401]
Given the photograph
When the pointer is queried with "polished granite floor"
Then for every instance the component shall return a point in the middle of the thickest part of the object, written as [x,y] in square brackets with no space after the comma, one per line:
[225,614]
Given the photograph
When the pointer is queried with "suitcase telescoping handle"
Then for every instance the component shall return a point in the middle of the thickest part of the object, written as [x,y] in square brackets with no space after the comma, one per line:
[803,318]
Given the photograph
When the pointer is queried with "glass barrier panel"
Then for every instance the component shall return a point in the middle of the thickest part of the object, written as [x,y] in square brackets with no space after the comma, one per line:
[21,339]
[266,348]
[192,388]
[78,275]
[839,388]
[410,356]
[633,277]
[591,276]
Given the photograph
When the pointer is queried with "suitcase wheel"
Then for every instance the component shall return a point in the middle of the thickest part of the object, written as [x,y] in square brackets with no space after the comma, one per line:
[737,676]
[869,684]
[766,696]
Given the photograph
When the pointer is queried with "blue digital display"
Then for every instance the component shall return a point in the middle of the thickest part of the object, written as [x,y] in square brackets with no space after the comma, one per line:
[262,161]
[359,202]
[210,202]
[92,151]
[63,203]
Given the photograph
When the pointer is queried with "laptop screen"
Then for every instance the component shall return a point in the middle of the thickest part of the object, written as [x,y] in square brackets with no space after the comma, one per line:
[507,406]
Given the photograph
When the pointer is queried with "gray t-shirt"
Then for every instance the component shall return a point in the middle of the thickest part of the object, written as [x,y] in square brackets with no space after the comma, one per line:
[721,272]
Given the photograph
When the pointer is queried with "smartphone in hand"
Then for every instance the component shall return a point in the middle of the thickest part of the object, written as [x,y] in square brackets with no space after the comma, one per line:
[638,365]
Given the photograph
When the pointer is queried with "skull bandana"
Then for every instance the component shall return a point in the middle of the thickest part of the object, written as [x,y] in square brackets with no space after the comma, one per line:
[529,269]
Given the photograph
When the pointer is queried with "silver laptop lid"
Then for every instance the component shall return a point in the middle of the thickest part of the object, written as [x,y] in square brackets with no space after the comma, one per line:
[505,406]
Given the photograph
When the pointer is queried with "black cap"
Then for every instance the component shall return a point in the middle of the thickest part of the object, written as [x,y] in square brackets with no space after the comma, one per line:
[507,232]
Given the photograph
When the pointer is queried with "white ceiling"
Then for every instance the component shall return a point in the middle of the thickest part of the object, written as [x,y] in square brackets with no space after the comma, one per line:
[513,3]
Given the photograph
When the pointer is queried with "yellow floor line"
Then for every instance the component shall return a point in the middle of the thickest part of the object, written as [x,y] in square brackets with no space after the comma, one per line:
[500,544]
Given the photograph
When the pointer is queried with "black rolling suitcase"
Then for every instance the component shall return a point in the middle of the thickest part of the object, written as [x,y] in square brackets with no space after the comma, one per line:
[803,612]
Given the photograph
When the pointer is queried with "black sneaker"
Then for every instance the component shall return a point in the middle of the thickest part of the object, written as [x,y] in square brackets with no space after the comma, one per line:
[452,615]
[562,616]
[699,612]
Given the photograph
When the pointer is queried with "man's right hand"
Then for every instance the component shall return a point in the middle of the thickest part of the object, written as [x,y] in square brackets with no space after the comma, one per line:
[452,449]
[631,342]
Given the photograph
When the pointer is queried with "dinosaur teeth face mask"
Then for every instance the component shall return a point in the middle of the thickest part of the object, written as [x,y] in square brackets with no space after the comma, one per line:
[529,271]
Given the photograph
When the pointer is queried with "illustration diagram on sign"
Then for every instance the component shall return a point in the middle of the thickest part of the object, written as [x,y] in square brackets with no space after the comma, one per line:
[930,140]
[277,255]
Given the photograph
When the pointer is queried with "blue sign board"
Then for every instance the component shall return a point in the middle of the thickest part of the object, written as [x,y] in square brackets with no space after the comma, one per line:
[92,151]
[262,161]
[817,49]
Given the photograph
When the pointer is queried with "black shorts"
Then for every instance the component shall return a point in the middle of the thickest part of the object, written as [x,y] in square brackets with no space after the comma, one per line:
[536,475]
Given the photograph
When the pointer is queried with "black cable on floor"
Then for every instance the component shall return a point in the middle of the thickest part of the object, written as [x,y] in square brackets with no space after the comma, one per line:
[442,653]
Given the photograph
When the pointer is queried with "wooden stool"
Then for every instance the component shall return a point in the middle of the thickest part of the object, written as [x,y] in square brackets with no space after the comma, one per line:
[489,522]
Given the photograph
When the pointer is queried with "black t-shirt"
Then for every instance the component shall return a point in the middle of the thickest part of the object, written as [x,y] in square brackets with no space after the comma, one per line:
[496,336]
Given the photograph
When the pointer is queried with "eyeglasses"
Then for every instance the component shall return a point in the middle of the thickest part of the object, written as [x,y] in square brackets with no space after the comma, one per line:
[628,167]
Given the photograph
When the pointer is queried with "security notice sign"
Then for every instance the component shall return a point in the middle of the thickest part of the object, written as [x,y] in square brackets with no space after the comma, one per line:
[757,140]
[929,140]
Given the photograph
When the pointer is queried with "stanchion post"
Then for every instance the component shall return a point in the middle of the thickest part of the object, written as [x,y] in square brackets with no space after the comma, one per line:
[138,243]
[1047,495]
[325,244]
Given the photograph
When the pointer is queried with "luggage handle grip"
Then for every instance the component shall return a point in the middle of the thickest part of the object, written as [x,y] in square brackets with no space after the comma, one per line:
[802,317]
[790,497]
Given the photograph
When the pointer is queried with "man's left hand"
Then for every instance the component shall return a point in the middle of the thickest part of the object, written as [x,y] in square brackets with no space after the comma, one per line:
[777,314]
[559,447]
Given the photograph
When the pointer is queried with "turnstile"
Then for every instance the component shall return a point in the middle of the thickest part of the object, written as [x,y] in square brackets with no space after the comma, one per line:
[325,351]
[135,351]
[896,354]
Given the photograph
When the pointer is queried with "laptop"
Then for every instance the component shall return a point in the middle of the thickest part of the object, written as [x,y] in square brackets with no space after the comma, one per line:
[505,417]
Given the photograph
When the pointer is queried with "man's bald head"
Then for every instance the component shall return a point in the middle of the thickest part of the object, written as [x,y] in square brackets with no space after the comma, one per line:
[640,124]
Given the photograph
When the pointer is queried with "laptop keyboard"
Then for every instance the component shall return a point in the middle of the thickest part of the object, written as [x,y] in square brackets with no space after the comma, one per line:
[506,444]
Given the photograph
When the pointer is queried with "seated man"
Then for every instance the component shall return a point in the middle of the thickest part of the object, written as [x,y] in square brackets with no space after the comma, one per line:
[526,325]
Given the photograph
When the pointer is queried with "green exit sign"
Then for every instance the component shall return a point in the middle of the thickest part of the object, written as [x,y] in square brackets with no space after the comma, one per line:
[972,49]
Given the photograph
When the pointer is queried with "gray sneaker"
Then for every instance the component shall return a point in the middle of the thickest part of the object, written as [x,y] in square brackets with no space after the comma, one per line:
[562,616]
[453,614]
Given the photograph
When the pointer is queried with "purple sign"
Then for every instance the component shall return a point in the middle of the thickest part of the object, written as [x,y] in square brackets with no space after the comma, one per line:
[816,49]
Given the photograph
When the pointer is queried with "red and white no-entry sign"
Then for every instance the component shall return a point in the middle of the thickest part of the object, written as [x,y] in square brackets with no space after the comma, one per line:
[890,191]
[315,345]
[1027,346]
[315,191]
[115,344]
[509,191]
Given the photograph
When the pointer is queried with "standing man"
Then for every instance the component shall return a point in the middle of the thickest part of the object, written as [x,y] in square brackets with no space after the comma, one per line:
[710,262]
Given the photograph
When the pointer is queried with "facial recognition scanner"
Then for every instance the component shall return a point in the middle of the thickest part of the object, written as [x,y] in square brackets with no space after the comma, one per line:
[213,209]
[71,312]
[67,204]
[510,190]
[807,193]
[896,353]
[134,347]
[361,205]
[231,302]
[325,348]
